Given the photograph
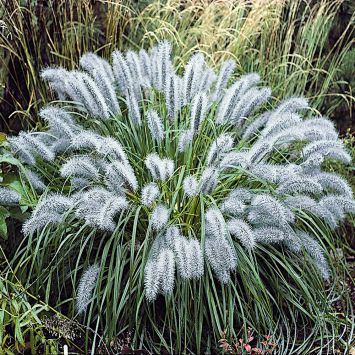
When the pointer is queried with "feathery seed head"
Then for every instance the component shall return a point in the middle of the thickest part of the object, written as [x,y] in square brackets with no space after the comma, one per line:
[8,196]
[222,144]
[150,193]
[155,125]
[160,217]
[86,286]
[190,186]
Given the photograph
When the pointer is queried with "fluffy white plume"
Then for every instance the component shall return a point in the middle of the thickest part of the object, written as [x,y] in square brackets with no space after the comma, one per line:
[56,78]
[150,193]
[292,104]
[268,235]
[254,127]
[334,183]
[233,160]
[185,139]
[241,230]
[209,179]
[328,149]
[221,257]
[134,64]
[86,140]
[145,64]
[98,207]
[110,147]
[102,73]
[133,107]
[81,88]
[199,108]
[190,186]
[160,168]
[189,257]
[208,77]
[224,75]
[80,166]
[248,103]
[121,72]
[215,224]
[233,206]
[21,150]
[315,251]
[86,286]
[192,76]
[29,146]
[161,65]
[155,125]
[299,184]
[235,202]
[9,196]
[60,122]
[124,172]
[35,180]
[232,96]
[267,210]
[173,95]
[49,210]
[221,145]
[159,275]
[160,217]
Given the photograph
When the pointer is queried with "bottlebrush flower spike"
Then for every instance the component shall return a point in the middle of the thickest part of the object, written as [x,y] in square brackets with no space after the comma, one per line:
[231,98]
[155,125]
[189,257]
[209,180]
[102,73]
[124,172]
[219,169]
[121,72]
[242,231]
[221,257]
[161,169]
[60,122]
[81,88]
[225,73]
[50,210]
[173,95]
[199,108]
[35,180]
[86,286]
[80,166]
[221,145]
[8,196]
[98,207]
[192,76]
[190,186]
[185,138]
[160,217]
[56,78]
[150,193]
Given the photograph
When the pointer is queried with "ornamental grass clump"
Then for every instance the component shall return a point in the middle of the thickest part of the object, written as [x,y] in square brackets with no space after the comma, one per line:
[162,176]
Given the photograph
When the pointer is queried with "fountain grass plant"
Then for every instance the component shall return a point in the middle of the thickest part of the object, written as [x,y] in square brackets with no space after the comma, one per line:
[181,204]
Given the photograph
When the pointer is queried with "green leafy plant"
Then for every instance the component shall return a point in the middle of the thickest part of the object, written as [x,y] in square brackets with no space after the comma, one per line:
[21,325]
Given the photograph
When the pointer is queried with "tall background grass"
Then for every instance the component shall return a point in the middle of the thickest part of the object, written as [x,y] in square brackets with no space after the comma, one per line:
[298,48]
